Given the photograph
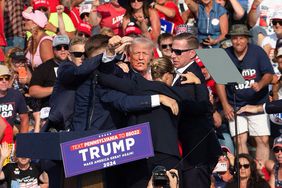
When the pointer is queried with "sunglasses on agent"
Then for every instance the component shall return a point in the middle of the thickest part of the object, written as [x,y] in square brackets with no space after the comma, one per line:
[78,54]
[178,51]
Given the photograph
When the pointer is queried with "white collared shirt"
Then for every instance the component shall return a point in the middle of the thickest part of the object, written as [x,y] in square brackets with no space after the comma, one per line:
[180,71]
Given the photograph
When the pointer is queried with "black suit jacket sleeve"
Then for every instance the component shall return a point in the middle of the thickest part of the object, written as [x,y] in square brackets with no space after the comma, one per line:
[198,104]
[69,73]
[274,107]
[121,84]
[124,102]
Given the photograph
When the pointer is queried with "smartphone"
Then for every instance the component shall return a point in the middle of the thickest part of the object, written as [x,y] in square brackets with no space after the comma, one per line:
[22,72]
[220,167]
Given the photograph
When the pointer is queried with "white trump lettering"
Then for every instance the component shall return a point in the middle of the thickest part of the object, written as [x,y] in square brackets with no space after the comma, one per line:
[103,150]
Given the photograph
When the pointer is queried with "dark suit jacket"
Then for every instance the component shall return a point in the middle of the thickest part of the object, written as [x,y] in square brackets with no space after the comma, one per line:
[195,125]
[199,142]
[163,123]
[274,107]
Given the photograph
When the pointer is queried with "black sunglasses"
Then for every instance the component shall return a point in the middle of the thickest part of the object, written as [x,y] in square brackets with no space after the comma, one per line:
[5,77]
[277,149]
[78,54]
[246,166]
[179,52]
[165,46]
[274,22]
[61,46]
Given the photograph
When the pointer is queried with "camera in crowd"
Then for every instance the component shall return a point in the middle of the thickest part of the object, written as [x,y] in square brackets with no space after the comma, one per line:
[160,178]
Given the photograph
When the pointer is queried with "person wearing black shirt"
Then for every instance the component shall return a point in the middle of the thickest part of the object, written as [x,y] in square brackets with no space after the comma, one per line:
[44,76]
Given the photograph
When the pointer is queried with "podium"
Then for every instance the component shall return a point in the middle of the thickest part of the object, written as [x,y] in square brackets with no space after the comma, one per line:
[46,145]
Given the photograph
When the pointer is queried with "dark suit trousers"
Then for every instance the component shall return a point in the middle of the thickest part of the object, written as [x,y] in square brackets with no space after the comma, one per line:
[198,176]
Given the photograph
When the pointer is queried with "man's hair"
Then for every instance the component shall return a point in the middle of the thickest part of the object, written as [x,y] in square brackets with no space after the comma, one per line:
[142,40]
[164,36]
[191,40]
[77,40]
[96,42]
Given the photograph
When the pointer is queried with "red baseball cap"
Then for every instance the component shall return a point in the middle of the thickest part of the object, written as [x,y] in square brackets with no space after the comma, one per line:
[40,3]
[85,28]
[132,29]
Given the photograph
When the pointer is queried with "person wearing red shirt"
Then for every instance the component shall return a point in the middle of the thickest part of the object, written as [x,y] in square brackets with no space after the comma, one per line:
[6,131]
[108,15]
[168,11]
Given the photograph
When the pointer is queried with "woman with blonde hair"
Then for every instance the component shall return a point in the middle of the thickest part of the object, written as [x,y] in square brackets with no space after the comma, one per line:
[39,47]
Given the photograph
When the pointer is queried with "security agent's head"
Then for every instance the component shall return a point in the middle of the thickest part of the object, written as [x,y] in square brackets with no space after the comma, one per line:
[183,49]
[77,52]
[96,45]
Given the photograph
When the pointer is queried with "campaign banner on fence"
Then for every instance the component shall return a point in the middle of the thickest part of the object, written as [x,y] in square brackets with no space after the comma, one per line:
[107,149]
[166,26]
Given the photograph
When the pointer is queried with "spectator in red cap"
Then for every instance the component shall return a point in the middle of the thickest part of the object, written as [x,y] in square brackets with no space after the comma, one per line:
[40,44]
[76,12]
[58,22]
[52,4]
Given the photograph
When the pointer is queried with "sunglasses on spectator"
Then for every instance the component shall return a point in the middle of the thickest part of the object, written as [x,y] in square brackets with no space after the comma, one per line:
[78,54]
[178,51]
[133,1]
[44,9]
[5,77]
[61,46]
[277,149]
[246,166]
[165,46]
[275,22]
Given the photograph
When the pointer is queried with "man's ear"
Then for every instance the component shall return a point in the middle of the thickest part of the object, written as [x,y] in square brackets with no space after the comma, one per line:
[193,54]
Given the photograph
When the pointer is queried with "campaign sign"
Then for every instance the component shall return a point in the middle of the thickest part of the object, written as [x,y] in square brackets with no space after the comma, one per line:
[166,26]
[107,149]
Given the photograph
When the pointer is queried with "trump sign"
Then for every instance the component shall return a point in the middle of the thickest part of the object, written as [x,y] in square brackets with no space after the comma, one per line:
[107,149]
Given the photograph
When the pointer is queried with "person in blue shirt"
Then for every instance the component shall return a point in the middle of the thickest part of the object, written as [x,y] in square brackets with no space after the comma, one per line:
[255,67]
[212,22]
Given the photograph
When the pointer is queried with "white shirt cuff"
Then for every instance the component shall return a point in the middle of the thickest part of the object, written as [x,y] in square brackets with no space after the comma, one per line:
[263,106]
[106,58]
[155,100]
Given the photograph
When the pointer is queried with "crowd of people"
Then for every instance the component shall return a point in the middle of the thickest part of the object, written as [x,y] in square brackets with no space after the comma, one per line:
[78,65]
